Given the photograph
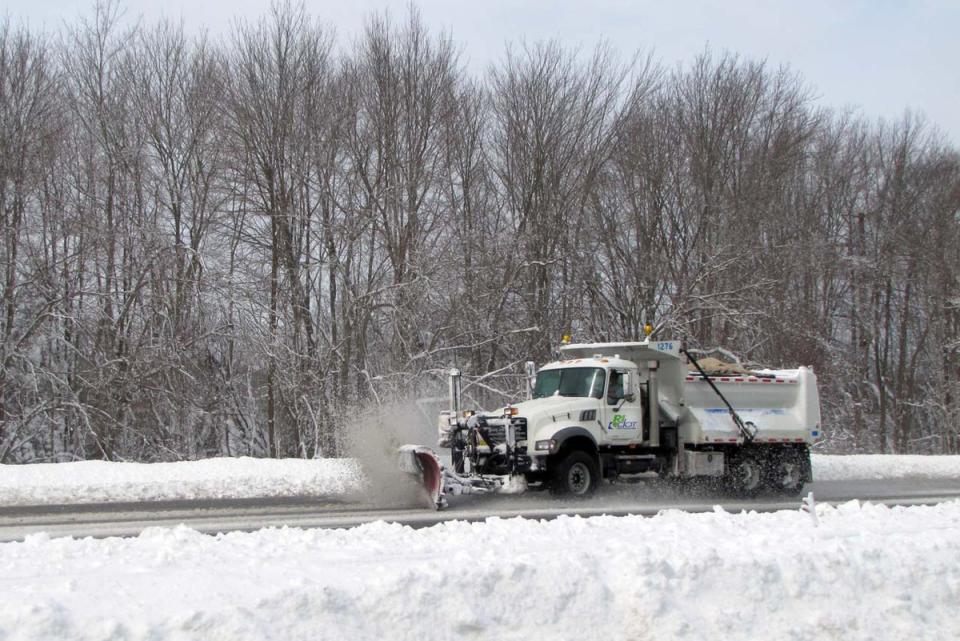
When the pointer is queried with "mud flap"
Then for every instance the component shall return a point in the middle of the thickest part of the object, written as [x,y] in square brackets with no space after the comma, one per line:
[424,465]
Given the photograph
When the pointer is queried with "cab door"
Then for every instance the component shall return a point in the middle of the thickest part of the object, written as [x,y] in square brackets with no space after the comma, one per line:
[623,413]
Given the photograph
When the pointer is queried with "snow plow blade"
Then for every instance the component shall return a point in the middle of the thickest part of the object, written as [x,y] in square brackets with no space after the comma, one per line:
[424,465]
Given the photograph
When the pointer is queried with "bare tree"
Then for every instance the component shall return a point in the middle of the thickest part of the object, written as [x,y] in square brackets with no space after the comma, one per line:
[555,122]
[279,69]
[29,292]
[226,247]
[404,86]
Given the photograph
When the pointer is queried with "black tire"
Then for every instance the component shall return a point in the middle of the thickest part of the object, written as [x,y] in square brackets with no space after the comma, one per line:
[745,475]
[577,475]
[787,473]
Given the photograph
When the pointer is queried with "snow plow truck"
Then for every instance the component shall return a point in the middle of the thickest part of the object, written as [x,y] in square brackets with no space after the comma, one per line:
[629,409]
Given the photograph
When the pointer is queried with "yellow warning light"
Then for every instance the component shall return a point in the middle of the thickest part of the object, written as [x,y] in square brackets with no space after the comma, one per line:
[512,411]
[566,339]
[648,329]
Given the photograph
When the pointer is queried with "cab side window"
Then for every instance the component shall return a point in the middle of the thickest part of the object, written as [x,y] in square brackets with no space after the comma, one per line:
[615,388]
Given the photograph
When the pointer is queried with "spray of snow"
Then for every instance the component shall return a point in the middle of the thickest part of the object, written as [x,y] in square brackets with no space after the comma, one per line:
[373,440]
[515,484]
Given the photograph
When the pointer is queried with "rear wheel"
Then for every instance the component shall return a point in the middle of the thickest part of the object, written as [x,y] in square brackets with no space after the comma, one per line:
[787,473]
[744,475]
[577,474]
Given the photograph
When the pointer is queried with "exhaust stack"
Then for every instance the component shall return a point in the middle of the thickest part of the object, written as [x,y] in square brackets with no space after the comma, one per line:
[455,392]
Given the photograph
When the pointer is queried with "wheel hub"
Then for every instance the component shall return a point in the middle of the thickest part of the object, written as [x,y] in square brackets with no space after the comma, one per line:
[749,473]
[789,474]
[578,478]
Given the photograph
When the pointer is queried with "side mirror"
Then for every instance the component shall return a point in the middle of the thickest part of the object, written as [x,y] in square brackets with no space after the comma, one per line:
[629,386]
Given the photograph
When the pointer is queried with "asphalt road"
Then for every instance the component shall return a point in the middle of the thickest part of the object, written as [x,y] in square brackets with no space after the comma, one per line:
[129,519]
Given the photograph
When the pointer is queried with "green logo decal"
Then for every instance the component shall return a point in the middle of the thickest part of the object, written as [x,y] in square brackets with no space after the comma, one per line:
[620,422]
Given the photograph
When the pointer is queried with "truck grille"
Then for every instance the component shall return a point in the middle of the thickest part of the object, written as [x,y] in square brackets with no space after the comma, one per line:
[519,428]
[497,433]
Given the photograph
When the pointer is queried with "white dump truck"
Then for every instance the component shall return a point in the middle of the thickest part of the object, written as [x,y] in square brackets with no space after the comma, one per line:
[631,409]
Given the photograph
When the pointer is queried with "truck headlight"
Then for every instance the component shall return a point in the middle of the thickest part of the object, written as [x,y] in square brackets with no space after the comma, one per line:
[545,446]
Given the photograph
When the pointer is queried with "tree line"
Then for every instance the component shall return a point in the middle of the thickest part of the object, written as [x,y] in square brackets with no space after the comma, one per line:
[228,246]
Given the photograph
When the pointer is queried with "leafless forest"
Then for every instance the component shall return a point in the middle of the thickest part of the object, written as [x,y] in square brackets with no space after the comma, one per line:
[225,246]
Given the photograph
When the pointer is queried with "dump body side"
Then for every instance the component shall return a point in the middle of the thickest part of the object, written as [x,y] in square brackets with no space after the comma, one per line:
[782,405]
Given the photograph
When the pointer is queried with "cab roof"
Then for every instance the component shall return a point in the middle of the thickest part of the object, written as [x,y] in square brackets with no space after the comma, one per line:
[636,351]
[603,361]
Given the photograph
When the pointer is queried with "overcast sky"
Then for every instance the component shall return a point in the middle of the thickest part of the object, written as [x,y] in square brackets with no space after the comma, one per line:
[878,56]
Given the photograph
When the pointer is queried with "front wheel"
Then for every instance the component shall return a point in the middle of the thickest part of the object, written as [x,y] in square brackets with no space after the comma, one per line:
[577,474]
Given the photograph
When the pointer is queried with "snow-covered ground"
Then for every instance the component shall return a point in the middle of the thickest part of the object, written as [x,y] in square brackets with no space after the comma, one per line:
[884,466]
[855,572]
[863,572]
[98,481]
[218,478]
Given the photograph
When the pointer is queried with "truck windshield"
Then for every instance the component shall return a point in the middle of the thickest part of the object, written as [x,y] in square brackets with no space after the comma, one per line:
[571,381]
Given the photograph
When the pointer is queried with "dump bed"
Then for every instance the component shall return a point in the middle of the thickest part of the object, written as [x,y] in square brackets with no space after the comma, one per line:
[782,404]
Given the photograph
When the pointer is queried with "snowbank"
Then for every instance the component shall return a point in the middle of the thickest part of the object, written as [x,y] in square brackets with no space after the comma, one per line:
[234,478]
[866,572]
[218,478]
[884,466]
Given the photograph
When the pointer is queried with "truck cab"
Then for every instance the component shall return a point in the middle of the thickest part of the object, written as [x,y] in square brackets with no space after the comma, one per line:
[586,417]
[596,398]
[601,394]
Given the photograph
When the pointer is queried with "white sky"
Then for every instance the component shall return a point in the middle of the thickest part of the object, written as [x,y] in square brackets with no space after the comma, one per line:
[879,56]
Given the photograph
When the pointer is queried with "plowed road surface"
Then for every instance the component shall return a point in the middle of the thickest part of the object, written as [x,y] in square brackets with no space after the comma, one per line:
[129,519]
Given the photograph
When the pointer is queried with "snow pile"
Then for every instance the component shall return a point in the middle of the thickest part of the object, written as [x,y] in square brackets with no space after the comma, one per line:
[866,572]
[218,478]
[884,466]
